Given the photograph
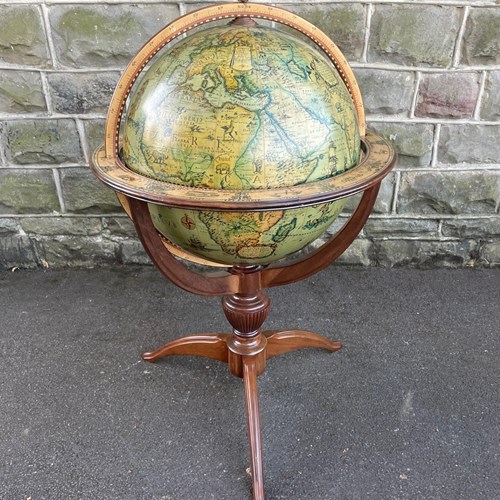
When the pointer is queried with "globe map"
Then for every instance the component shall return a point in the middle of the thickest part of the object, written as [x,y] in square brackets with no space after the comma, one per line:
[241,108]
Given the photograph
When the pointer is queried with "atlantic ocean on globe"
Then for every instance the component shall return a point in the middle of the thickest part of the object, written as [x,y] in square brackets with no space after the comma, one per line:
[241,108]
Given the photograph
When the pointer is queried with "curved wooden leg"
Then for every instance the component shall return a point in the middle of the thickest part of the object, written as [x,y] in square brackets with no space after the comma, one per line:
[211,346]
[254,432]
[283,341]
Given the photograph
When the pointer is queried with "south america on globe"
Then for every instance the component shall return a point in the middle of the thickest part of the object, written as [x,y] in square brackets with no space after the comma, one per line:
[241,108]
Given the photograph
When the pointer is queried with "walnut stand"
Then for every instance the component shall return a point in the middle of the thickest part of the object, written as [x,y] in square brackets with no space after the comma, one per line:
[246,306]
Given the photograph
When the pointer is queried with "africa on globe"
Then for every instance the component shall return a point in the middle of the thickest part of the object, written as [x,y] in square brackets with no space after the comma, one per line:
[241,108]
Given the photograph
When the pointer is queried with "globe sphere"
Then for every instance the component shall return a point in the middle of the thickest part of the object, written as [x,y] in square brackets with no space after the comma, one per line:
[241,108]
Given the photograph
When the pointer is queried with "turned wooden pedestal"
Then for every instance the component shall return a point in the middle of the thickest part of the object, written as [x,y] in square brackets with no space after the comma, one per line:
[246,351]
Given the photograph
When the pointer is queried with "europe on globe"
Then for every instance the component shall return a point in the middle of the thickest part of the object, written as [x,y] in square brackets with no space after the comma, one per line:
[241,108]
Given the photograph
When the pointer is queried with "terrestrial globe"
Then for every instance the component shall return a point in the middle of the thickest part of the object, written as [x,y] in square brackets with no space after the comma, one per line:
[242,108]
[236,145]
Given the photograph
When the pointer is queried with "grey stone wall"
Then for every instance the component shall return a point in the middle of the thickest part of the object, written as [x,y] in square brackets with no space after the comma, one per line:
[429,72]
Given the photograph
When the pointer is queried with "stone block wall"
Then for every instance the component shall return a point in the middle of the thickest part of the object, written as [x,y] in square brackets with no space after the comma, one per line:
[429,72]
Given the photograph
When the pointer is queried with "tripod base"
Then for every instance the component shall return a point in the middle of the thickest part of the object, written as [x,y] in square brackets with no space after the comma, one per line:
[246,359]
[214,345]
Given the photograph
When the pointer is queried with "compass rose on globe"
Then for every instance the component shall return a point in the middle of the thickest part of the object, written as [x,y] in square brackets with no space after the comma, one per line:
[233,140]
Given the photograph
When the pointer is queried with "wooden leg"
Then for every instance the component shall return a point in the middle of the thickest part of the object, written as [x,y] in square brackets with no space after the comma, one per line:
[211,346]
[283,341]
[254,432]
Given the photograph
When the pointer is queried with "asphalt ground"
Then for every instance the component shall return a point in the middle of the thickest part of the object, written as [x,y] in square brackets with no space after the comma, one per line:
[408,409]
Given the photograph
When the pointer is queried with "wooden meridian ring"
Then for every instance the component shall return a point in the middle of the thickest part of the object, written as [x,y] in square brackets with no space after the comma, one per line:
[213,13]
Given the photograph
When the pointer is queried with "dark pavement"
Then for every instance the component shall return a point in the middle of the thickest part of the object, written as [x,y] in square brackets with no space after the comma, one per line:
[408,409]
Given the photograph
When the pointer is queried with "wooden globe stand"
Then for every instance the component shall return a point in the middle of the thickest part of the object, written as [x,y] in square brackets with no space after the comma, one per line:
[246,306]
[242,287]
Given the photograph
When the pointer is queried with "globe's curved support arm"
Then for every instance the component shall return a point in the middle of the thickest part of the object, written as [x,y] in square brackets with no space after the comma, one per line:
[212,284]
[316,261]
